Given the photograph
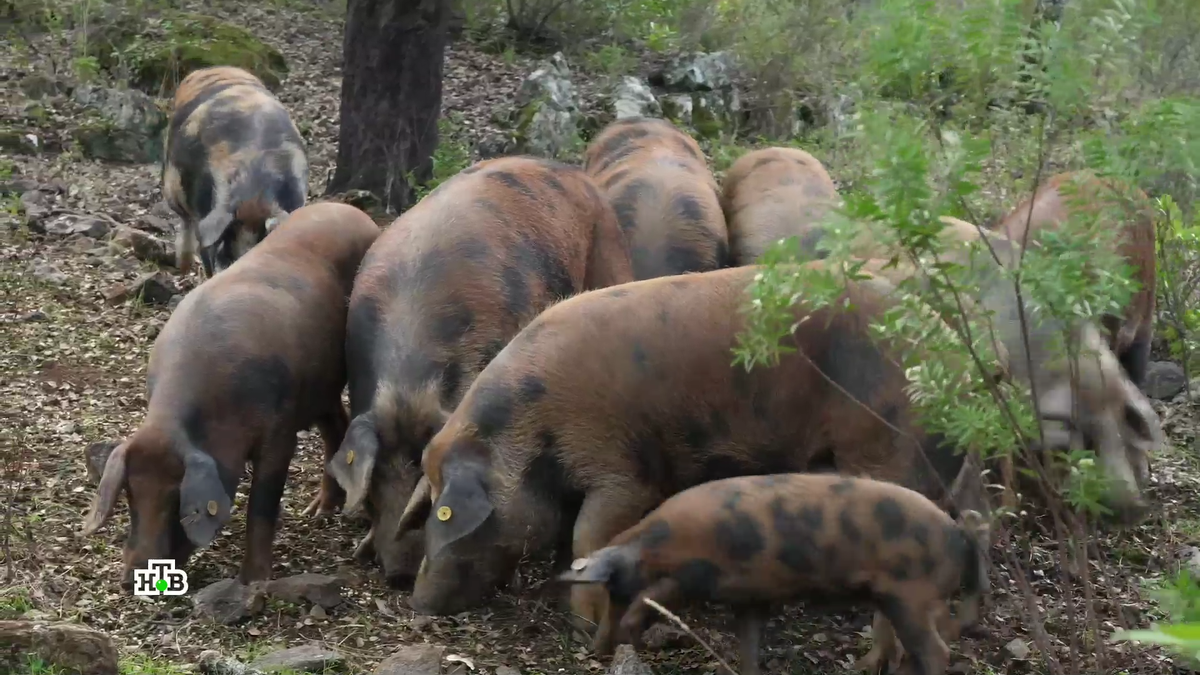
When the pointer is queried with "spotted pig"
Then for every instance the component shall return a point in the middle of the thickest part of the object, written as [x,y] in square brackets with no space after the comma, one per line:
[248,359]
[615,399]
[235,165]
[1129,337]
[439,295]
[665,197]
[756,542]
[773,194]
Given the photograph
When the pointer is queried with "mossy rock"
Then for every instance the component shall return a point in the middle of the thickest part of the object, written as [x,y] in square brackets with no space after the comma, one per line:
[154,54]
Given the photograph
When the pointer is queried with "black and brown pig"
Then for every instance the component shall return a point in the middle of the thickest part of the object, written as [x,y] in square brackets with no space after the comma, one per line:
[613,400]
[757,542]
[248,359]
[1129,337]
[235,165]
[665,197]
[439,295]
[772,194]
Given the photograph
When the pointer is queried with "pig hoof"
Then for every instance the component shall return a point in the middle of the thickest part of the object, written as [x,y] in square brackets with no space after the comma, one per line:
[320,507]
[871,663]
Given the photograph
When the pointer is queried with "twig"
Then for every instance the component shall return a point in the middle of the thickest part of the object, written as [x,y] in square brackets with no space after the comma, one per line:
[679,622]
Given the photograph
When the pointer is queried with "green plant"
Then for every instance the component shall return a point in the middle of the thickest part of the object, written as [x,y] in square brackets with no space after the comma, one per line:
[451,156]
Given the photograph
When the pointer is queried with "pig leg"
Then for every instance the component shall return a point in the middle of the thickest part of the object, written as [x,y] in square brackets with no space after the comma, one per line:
[603,515]
[751,619]
[915,623]
[607,630]
[665,592]
[883,646]
[332,496]
[262,512]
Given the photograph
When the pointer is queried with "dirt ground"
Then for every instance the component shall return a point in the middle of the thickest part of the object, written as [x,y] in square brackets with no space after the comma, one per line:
[72,373]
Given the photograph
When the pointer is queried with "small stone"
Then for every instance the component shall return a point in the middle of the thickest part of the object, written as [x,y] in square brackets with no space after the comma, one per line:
[420,622]
[229,601]
[35,315]
[69,224]
[155,288]
[304,659]
[156,223]
[626,662]
[145,246]
[17,186]
[507,670]
[1164,379]
[319,589]
[40,85]
[318,612]
[116,294]
[664,636]
[413,660]
[633,98]
[1017,648]
[48,274]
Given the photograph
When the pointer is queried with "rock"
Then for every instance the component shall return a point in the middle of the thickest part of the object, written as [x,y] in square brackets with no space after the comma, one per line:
[48,274]
[319,589]
[181,42]
[548,110]
[157,223]
[145,246]
[40,85]
[124,126]
[228,601]
[17,186]
[66,648]
[68,224]
[304,659]
[174,302]
[95,456]
[507,670]
[495,145]
[413,660]
[1191,560]
[1017,648]
[1164,380]
[633,98]
[678,108]
[155,288]
[626,662]
[699,72]
[19,141]
[34,204]
[212,662]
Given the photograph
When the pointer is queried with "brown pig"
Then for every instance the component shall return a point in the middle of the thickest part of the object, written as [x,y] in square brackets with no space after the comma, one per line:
[756,542]
[615,399]
[665,197]
[1128,336]
[235,165]
[248,359]
[773,194]
[439,295]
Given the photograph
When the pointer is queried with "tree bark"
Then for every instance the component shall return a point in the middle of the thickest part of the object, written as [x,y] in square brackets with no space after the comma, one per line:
[393,52]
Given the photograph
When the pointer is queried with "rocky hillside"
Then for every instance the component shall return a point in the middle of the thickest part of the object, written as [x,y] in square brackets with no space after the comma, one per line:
[87,281]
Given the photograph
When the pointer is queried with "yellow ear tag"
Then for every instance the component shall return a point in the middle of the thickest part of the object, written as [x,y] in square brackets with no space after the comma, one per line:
[349,456]
[444,513]
[212,508]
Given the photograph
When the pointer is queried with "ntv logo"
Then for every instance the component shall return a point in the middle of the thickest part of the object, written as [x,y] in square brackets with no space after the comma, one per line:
[160,578]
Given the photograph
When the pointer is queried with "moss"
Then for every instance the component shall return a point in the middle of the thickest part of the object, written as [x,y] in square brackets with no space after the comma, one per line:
[155,54]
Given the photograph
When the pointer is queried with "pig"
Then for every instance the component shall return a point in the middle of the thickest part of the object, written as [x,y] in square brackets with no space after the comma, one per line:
[234,166]
[248,359]
[1130,336]
[613,400]
[666,199]
[772,194]
[755,542]
[439,295]
[1107,414]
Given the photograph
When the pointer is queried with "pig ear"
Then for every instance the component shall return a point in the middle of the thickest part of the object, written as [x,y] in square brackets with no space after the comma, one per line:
[597,568]
[461,508]
[417,509]
[277,217]
[213,226]
[353,463]
[204,506]
[111,483]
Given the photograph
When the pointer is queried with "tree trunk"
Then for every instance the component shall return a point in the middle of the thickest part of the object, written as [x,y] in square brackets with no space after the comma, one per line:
[393,52]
